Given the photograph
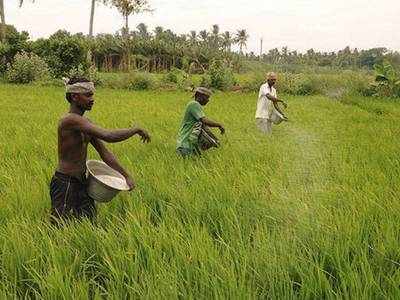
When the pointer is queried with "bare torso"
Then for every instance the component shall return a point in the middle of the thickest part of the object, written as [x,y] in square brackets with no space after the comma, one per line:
[72,149]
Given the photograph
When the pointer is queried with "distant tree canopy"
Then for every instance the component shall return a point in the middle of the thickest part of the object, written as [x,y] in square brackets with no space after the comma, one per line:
[162,49]
[346,58]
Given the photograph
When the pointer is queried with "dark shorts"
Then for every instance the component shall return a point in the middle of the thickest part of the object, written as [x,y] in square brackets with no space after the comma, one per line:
[69,198]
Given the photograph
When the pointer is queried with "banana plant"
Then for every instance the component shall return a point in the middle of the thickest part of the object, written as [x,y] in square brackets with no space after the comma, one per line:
[387,80]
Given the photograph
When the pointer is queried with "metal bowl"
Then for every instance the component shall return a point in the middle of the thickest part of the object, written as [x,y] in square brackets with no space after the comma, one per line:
[276,117]
[104,183]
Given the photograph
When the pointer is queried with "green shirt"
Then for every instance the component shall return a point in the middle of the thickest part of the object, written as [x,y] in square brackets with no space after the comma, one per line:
[193,114]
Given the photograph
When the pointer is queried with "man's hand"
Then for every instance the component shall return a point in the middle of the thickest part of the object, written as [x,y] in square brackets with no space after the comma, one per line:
[284,104]
[144,135]
[130,183]
[222,129]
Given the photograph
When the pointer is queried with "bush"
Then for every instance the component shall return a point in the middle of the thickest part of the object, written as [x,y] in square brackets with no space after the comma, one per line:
[140,81]
[387,80]
[205,81]
[174,76]
[253,82]
[13,43]
[27,68]
[178,78]
[63,52]
[221,76]
[88,73]
[297,84]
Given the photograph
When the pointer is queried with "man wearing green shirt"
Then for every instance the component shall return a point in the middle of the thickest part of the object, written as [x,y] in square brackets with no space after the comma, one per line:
[194,123]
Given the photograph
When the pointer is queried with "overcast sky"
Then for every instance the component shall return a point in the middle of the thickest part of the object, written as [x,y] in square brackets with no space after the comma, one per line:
[298,24]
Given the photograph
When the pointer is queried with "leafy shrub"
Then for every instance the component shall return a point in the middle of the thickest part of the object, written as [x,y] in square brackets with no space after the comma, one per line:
[297,84]
[114,80]
[205,81]
[140,81]
[14,42]
[221,76]
[63,52]
[253,82]
[175,76]
[27,68]
[88,73]
[387,81]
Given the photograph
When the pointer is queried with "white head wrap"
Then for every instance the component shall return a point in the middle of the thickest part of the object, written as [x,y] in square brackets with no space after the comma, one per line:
[203,90]
[271,75]
[79,87]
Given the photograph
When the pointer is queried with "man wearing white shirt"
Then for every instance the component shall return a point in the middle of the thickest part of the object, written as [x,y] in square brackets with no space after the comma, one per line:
[268,111]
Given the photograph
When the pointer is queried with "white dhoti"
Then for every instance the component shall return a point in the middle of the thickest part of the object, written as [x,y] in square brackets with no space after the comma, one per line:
[264,125]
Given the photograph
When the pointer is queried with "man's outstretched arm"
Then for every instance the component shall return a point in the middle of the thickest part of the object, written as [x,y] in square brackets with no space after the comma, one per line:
[110,136]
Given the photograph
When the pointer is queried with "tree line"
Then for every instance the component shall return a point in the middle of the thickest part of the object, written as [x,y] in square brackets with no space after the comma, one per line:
[140,49]
[346,58]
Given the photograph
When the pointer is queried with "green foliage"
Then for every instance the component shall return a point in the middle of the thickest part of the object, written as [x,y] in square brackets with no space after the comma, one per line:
[88,73]
[387,80]
[297,84]
[140,81]
[63,52]
[14,42]
[310,213]
[221,76]
[178,78]
[344,59]
[205,81]
[335,85]
[27,68]
[175,76]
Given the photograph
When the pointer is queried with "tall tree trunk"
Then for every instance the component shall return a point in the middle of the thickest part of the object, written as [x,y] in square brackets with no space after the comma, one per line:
[3,21]
[91,18]
[127,24]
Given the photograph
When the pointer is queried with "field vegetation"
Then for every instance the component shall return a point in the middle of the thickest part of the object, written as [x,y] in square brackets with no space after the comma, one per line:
[311,212]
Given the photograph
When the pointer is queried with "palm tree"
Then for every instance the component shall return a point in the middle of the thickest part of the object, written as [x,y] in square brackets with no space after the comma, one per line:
[92,7]
[241,38]
[3,21]
[91,18]
[3,18]
[204,35]
[227,40]
[130,7]
[215,36]
[158,31]
[143,31]
[22,2]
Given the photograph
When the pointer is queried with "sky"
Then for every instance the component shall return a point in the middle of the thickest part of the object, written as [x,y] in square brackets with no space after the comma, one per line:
[298,24]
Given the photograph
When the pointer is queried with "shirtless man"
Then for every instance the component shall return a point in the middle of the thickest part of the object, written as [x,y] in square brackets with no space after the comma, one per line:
[68,185]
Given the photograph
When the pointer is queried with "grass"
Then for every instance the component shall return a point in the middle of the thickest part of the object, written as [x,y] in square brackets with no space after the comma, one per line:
[310,212]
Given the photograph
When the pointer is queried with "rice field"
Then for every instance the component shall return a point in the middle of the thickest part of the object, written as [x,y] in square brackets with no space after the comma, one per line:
[311,212]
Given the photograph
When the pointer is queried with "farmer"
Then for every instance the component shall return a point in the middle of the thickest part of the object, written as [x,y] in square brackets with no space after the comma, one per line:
[194,134]
[68,185]
[268,110]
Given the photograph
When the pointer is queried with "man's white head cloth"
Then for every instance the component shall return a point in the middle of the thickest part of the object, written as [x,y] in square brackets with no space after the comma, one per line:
[203,90]
[79,87]
[271,75]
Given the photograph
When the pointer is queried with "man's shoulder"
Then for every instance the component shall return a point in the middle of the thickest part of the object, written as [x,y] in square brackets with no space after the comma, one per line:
[193,104]
[265,86]
[70,119]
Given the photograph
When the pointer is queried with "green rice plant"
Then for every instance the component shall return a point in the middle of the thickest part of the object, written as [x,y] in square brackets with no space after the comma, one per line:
[310,212]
